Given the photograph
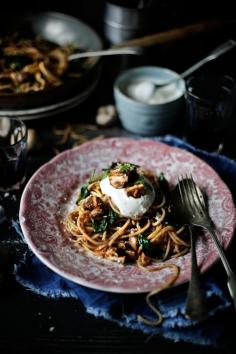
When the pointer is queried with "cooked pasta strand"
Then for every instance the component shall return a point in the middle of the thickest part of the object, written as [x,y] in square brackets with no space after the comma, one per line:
[96,224]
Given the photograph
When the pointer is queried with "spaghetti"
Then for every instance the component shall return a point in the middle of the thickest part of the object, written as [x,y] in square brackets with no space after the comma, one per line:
[97,224]
[33,64]
[125,215]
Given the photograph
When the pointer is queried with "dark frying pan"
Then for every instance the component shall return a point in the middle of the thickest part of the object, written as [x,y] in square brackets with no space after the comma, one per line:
[60,29]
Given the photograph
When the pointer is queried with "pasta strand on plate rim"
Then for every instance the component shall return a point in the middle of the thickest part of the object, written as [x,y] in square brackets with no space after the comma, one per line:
[125,215]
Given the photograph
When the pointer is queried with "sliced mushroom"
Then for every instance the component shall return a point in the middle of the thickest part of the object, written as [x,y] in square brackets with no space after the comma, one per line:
[135,191]
[118,180]
[96,213]
[92,202]
[133,242]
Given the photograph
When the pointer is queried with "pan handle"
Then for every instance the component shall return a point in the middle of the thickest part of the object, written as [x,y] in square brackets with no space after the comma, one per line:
[173,35]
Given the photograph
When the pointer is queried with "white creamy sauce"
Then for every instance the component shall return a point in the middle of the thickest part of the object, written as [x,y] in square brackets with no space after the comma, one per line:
[147,92]
[129,207]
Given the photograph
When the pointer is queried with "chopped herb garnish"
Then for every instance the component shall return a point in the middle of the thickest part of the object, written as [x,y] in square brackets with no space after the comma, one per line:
[126,167]
[98,177]
[105,174]
[93,178]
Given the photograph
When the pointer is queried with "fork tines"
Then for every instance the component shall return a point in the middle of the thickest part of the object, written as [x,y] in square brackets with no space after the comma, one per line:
[191,194]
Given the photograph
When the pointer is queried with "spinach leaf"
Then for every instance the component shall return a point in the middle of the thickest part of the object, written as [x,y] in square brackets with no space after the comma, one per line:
[112,216]
[108,220]
[100,225]
[148,248]
[84,192]
[145,244]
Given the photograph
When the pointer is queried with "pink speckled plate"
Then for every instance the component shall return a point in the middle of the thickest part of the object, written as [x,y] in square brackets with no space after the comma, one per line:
[50,193]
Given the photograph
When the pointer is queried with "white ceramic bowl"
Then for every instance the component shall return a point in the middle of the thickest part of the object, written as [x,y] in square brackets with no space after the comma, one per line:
[139,113]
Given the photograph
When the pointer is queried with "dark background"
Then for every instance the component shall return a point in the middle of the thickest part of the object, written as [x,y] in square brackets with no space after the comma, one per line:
[165,15]
[176,55]
[26,318]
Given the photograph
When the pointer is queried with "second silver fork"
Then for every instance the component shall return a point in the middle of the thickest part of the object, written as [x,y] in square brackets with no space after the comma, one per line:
[198,216]
[196,307]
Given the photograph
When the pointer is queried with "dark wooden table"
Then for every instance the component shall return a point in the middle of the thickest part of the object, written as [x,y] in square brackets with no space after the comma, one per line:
[31,323]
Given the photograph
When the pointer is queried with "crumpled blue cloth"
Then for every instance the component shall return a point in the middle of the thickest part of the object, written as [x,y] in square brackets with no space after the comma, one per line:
[122,308]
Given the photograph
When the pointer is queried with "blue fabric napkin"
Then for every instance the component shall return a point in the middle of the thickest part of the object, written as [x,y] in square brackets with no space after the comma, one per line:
[124,309]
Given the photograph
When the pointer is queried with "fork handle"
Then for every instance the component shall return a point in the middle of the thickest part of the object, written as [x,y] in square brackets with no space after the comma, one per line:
[196,308]
[231,282]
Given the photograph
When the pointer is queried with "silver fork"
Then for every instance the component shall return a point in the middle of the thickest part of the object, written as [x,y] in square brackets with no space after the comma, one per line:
[195,307]
[199,216]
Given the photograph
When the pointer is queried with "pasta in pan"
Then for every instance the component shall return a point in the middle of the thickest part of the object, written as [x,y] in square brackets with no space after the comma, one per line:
[32,64]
